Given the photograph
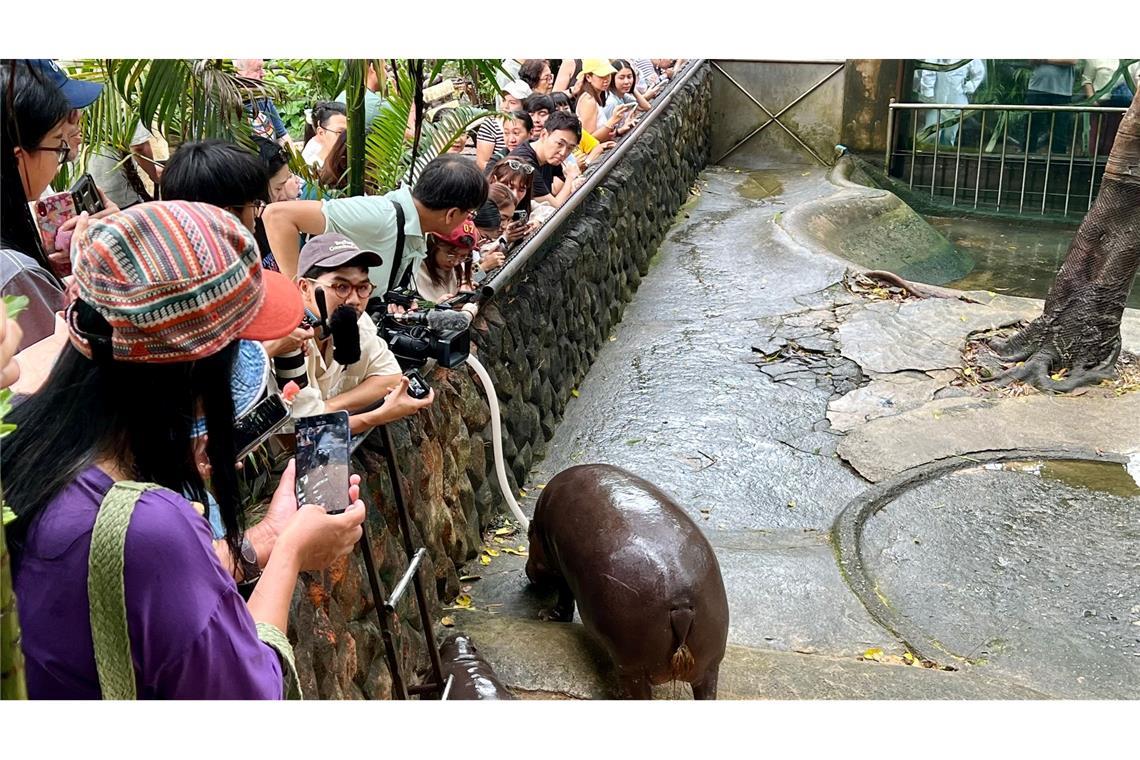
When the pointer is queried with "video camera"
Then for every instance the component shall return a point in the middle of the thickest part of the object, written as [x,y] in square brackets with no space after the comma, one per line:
[441,333]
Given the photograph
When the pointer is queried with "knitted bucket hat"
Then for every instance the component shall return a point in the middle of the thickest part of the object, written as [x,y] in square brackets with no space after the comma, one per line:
[179,281]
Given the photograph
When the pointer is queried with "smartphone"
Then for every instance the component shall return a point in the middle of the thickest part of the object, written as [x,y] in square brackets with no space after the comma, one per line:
[51,213]
[85,196]
[255,426]
[322,460]
[417,386]
[520,215]
[465,297]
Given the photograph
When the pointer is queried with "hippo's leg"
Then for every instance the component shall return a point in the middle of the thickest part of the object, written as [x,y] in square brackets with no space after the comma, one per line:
[563,609]
[706,687]
[634,686]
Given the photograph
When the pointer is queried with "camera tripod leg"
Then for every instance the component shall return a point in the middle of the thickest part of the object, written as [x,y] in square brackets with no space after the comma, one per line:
[406,534]
[398,688]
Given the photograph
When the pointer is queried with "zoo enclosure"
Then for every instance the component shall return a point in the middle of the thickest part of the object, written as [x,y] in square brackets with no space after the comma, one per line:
[999,169]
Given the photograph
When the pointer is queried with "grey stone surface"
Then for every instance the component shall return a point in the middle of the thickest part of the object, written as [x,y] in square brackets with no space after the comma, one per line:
[543,660]
[995,565]
[922,334]
[957,426]
[885,396]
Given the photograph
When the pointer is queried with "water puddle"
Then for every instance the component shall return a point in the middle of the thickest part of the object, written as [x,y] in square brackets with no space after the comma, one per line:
[760,185]
[1013,258]
[1106,477]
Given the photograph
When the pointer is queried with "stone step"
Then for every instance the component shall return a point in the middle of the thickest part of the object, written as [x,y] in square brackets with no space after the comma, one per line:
[546,660]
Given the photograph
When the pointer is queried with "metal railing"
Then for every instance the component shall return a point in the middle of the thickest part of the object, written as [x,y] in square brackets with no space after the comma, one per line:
[1040,165]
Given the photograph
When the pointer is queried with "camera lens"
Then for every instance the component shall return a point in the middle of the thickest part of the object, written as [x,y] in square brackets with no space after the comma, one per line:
[288,367]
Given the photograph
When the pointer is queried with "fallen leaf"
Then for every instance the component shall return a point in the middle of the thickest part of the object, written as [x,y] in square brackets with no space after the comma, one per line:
[521,552]
[484,559]
[447,621]
[574,392]
[613,338]
[633,441]
[909,658]
[490,551]
[464,601]
[540,486]
[522,493]
[792,504]
[507,531]
[874,654]
[498,540]
[470,577]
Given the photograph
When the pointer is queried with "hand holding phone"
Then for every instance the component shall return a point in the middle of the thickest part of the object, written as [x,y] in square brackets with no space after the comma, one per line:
[322,461]
[255,426]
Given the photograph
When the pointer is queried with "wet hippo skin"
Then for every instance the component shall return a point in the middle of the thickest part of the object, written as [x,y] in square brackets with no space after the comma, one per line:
[472,676]
[645,578]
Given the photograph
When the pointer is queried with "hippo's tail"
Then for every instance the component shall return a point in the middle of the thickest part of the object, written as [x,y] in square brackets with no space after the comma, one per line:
[681,665]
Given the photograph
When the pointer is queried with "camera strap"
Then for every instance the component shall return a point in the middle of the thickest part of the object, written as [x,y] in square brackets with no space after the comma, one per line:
[398,260]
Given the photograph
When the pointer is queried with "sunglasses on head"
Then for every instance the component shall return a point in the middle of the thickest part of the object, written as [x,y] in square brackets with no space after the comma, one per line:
[521,166]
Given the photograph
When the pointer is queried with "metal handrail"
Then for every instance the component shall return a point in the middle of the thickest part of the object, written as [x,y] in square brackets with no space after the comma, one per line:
[1000,107]
[503,277]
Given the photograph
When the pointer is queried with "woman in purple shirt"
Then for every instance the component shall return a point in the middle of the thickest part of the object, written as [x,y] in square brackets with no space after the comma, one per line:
[165,291]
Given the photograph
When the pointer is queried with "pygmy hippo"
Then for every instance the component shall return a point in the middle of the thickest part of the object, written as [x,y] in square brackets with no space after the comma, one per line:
[645,578]
[472,676]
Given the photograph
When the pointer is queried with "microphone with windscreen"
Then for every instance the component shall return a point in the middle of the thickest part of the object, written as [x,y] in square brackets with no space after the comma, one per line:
[343,328]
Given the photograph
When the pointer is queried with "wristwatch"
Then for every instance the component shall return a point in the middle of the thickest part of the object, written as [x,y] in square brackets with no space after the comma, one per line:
[250,570]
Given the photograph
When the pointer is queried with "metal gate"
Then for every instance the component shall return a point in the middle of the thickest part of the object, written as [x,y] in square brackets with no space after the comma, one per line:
[766,112]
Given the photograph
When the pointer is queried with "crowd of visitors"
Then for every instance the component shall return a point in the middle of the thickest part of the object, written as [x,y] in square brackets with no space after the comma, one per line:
[151,325]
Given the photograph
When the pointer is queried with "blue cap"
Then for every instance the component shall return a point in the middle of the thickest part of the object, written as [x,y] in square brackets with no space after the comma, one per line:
[79,94]
[247,384]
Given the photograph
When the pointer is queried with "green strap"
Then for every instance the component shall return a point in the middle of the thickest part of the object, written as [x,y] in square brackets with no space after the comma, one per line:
[106,594]
[107,599]
[272,635]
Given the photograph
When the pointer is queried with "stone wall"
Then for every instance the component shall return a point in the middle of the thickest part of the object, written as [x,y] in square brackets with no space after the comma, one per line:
[537,339]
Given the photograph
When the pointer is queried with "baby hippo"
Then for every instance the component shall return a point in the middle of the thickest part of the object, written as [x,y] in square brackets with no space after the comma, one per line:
[472,677]
[645,578]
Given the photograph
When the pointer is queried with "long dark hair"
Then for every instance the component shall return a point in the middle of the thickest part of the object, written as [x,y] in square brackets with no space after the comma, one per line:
[139,414]
[334,171]
[619,64]
[31,107]
[322,112]
[599,96]
[502,172]
[436,273]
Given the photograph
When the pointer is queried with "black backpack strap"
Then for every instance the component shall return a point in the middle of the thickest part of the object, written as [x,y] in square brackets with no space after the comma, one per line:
[399,252]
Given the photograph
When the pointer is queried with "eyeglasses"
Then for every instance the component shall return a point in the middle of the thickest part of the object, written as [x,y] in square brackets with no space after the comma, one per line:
[258,208]
[521,166]
[344,289]
[64,150]
[334,131]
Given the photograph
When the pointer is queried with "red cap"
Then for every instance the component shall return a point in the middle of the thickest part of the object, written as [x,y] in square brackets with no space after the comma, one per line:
[463,236]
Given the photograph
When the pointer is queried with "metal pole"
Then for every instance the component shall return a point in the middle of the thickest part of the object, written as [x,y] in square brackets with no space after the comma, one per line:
[981,153]
[406,531]
[398,688]
[937,140]
[890,137]
[957,157]
[1025,164]
[913,146]
[1001,170]
[1048,162]
[1069,181]
[1092,170]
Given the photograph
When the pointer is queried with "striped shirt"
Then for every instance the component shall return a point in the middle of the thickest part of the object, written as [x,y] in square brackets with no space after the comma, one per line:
[491,130]
[646,73]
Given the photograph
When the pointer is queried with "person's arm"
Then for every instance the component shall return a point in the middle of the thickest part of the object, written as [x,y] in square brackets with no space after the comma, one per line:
[279,129]
[144,157]
[397,405]
[572,182]
[483,152]
[284,222]
[369,391]
[587,111]
[565,72]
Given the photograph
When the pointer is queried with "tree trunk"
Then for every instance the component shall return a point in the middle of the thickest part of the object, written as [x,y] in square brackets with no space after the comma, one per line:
[1079,329]
[11,658]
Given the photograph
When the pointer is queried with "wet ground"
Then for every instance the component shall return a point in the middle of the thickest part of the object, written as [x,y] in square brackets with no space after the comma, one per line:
[1015,258]
[718,386]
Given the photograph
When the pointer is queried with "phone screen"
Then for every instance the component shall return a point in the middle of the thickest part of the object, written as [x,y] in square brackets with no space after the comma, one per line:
[322,460]
[256,425]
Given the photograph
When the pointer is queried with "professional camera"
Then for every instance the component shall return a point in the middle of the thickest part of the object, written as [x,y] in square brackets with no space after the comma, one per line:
[441,333]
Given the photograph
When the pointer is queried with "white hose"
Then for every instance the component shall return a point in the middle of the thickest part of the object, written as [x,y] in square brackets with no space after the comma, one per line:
[497,441]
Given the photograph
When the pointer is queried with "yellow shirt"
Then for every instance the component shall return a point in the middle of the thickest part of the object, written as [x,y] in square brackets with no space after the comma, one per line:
[587,144]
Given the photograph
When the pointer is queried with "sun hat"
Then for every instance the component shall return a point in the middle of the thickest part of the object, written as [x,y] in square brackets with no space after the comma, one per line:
[463,236]
[79,94]
[599,67]
[517,89]
[178,281]
[247,383]
[332,250]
